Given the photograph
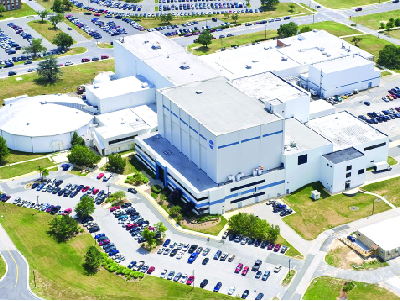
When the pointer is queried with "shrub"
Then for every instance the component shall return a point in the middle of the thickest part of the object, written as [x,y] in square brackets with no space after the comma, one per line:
[154,195]
[141,275]
[156,189]
[81,230]
[348,286]
[128,278]
[163,196]
[112,269]
[132,273]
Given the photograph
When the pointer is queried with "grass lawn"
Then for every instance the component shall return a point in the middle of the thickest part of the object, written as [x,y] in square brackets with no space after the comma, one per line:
[129,168]
[313,217]
[77,172]
[393,33]
[288,278]
[59,272]
[385,73]
[23,168]
[329,288]
[2,267]
[373,20]
[49,3]
[391,161]
[345,3]
[292,251]
[46,29]
[228,42]
[105,45]
[389,188]
[25,10]
[73,77]
[334,28]
[371,44]
[81,31]
[17,156]
[214,230]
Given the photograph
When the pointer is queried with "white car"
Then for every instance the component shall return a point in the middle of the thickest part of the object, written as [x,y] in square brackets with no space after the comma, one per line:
[69,63]
[184,278]
[277,268]
[61,211]
[160,251]
[206,251]
[163,274]
[179,255]
[231,290]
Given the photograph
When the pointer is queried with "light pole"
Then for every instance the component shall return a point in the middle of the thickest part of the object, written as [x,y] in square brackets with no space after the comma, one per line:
[265,31]
[193,279]
[108,188]
[37,200]
[289,268]
[373,206]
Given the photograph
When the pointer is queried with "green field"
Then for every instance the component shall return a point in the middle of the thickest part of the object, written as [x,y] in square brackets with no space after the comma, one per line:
[49,3]
[2,267]
[345,3]
[105,45]
[389,188]
[45,29]
[334,28]
[24,11]
[7,172]
[17,156]
[373,20]
[73,77]
[59,272]
[329,288]
[371,44]
[313,217]
[385,73]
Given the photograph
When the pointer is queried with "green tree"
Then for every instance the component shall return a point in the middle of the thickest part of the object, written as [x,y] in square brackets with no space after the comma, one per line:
[389,57]
[356,40]
[116,163]
[226,15]
[92,259]
[77,140]
[205,38]
[397,22]
[42,14]
[166,18]
[35,48]
[49,70]
[149,236]
[160,228]
[67,5]
[292,8]
[63,40]
[57,6]
[56,19]
[43,172]
[85,207]
[175,210]
[63,227]
[273,233]
[119,195]
[82,156]
[2,10]
[4,151]
[305,29]
[269,4]
[382,25]
[235,17]
[287,30]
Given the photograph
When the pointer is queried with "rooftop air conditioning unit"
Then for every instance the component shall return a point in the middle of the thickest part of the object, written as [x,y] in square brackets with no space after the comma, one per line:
[199,92]
[248,67]
[293,144]
[283,58]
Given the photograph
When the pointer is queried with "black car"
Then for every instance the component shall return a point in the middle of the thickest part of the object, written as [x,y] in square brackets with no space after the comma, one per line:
[231,237]
[257,243]
[205,261]
[251,241]
[245,294]
[58,183]
[192,249]
[80,187]
[34,185]
[56,190]
[126,205]
[94,229]
[61,192]
[132,190]
[55,209]
[263,244]
[87,219]
[256,265]
[173,252]
[204,283]
[11,73]
[67,193]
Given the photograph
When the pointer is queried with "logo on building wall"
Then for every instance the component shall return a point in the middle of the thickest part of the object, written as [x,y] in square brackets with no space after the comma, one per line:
[211,144]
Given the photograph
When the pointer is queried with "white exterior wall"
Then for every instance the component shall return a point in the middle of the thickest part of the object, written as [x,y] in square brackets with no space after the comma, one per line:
[298,108]
[378,154]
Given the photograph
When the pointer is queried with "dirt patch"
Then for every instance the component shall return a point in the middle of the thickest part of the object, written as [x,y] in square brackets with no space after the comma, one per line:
[342,256]
[195,226]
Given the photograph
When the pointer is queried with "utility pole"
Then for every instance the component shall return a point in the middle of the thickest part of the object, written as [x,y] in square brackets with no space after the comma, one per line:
[37,200]
[193,280]
[265,31]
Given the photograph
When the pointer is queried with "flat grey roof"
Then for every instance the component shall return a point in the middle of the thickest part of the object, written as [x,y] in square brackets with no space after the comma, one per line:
[343,155]
[304,137]
[220,107]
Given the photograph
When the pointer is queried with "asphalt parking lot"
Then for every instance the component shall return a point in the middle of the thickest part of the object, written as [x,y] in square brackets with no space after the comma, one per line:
[214,271]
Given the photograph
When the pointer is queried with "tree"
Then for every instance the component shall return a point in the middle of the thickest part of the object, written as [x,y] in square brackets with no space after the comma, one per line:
[175,210]
[116,163]
[119,195]
[205,38]
[77,140]
[287,30]
[273,233]
[397,22]
[2,10]
[63,40]
[42,14]
[35,48]
[269,4]
[56,19]
[305,29]
[250,225]
[63,227]
[175,196]
[356,40]
[389,57]
[4,151]
[67,5]
[382,25]
[49,69]
[82,156]
[160,228]
[235,17]
[85,207]
[166,18]
[92,259]
[43,172]
[226,15]
[149,236]
[389,26]
[292,8]
[57,6]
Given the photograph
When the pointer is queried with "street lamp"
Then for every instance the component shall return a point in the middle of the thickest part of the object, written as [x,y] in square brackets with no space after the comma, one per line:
[289,267]
[265,31]
[193,280]
[108,188]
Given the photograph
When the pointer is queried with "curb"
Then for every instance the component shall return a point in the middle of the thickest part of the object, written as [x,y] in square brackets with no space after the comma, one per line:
[27,276]
[4,276]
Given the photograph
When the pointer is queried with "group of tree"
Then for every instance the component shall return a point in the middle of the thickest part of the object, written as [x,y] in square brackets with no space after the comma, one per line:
[42,14]
[292,8]
[305,29]
[390,24]
[2,10]
[116,163]
[4,151]
[63,227]
[83,156]
[252,226]
[49,70]
[60,6]
[166,18]
[287,30]
[85,207]
[116,197]
[154,237]
[269,4]
[389,57]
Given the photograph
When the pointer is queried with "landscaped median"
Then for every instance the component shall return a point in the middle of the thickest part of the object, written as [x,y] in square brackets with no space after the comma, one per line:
[45,29]
[59,270]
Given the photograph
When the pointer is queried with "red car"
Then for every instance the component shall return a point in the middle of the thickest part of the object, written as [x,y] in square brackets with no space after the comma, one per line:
[103,57]
[270,247]
[85,60]
[104,242]
[67,211]
[151,228]
[49,209]
[86,188]
[95,191]
[100,175]
[112,209]
[277,248]
[97,15]
[190,280]
[60,65]
[245,270]
[129,226]
[150,270]
[239,268]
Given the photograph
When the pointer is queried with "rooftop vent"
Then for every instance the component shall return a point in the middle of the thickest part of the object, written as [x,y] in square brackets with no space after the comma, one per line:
[155,47]
[283,58]
[145,85]
[184,67]
[248,67]
[199,92]
[167,152]
[293,144]
[146,42]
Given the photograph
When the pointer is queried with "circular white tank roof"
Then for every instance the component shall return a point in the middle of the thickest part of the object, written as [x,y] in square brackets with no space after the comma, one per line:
[45,115]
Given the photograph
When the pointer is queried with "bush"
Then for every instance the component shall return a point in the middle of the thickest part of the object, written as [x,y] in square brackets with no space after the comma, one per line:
[141,275]
[128,278]
[112,269]
[163,196]
[348,286]
[132,273]
[156,189]
[154,195]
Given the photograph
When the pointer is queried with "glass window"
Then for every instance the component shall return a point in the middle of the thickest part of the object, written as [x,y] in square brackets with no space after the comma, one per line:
[348,175]
[348,168]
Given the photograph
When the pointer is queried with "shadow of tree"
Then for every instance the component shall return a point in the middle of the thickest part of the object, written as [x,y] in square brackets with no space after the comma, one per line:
[40,81]
[89,271]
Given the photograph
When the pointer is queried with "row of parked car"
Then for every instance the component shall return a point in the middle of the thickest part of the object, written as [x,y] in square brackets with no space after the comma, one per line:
[120,5]
[109,247]
[279,207]
[393,93]
[45,207]
[378,117]
[173,248]
[243,240]
[84,27]
[110,27]
[8,44]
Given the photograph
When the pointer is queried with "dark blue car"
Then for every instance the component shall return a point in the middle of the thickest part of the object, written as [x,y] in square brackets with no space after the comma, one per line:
[166,243]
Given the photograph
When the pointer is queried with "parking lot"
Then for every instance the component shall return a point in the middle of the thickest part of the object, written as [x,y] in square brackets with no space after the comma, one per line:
[214,271]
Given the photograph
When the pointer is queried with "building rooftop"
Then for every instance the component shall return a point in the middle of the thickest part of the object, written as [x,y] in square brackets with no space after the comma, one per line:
[267,87]
[299,137]
[343,155]
[320,105]
[168,58]
[219,106]
[344,130]
[343,63]
[380,235]
[119,87]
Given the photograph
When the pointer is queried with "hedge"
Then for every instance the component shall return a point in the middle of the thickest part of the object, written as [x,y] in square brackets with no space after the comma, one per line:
[156,189]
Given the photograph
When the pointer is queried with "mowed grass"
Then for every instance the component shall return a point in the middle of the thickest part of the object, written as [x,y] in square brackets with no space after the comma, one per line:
[291,251]
[373,20]
[239,40]
[105,45]
[2,267]
[390,189]
[59,272]
[313,217]
[328,288]
[345,3]
[45,29]
[24,11]
[49,3]
[334,28]
[17,156]
[73,77]
[7,172]
[371,44]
